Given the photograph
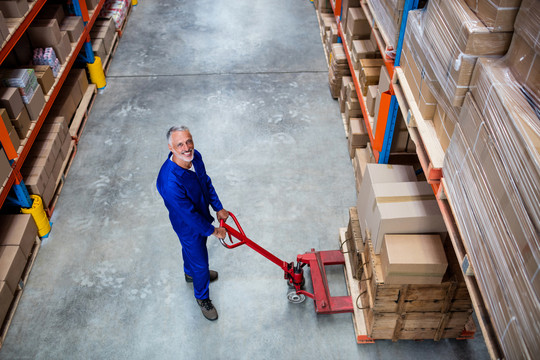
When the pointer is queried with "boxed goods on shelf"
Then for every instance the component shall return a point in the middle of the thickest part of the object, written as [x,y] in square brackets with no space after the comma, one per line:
[118,9]
[4,31]
[357,27]
[358,136]
[323,6]
[523,57]
[18,230]
[496,15]
[12,263]
[345,5]
[362,157]
[74,27]
[388,14]
[371,97]
[339,67]
[342,99]
[45,77]
[14,8]
[104,29]
[6,297]
[5,167]
[492,171]
[11,100]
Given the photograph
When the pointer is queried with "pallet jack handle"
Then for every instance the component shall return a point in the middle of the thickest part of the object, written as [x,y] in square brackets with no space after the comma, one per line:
[244,240]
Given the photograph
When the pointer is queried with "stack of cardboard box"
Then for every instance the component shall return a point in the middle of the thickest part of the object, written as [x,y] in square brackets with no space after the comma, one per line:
[339,67]
[43,166]
[18,234]
[70,95]
[103,36]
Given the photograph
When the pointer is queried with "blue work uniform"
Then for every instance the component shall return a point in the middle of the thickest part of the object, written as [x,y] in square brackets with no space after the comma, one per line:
[187,195]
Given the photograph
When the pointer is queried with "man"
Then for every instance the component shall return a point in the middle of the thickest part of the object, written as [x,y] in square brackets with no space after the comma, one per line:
[188,192]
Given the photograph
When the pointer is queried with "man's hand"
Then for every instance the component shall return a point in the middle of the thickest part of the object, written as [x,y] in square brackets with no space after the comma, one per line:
[220,232]
[222,215]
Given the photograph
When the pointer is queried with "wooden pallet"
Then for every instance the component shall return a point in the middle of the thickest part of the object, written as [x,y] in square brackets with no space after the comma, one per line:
[81,115]
[353,289]
[66,166]
[18,293]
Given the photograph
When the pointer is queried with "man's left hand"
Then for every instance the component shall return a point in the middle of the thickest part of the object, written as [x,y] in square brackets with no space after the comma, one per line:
[222,215]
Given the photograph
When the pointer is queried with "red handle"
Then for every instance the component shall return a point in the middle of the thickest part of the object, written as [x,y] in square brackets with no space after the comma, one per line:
[239,234]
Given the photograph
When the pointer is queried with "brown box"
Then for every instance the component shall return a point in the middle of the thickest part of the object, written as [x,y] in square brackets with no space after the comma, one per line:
[444,127]
[22,123]
[64,150]
[74,27]
[5,167]
[12,264]
[36,104]
[14,136]
[36,181]
[5,119]
[413,259]
[370,99]
[72,87]
[404,207]
[375,174]
[55,125]
[358,136]
[357,23]
[52,11]
[368,76]
[361,159]
[18,230]
[104,33]
[99,48]
[91,4]
[14,8]
[4,31]
[6,297]
[44,77]
[496,15]
[44,33]
[63,48]
[81,78]
[11,100]
[64,106]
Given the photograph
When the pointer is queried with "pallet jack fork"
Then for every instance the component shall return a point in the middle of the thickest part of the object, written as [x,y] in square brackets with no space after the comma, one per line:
[294,273]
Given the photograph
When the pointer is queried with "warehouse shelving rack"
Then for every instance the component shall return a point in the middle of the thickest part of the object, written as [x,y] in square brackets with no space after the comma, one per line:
[17,156]
[428,149]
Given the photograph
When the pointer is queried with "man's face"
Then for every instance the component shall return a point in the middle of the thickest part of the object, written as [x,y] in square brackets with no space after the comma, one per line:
[181,145]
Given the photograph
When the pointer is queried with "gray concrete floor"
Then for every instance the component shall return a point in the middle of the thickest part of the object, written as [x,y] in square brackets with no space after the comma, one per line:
[249,78]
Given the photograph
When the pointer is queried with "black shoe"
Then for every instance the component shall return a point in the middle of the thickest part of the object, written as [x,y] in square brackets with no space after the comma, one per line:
[208,310]
[213,276]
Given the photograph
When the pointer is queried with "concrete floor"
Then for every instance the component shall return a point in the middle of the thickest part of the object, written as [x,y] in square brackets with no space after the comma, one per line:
[249,78]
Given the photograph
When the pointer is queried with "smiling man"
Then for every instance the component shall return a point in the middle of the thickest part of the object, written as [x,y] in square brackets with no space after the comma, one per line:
[188,193]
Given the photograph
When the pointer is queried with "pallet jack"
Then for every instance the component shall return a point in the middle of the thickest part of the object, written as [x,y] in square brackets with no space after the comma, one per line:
[294,273]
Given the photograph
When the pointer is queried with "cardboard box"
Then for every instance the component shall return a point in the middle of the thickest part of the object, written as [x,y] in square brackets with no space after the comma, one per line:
[14,8]
[413,259]
[50,189]
[361,159]
[18,230]
[44,33]
[45,77]
[368,76]
[91,4]
[74,27]
[36,104]
[99,48]
[64,150]
[444,127]
[401,208]
[37,181]
[371,98]
[496,15]
[5,119]
[357,23]
[22,123]
[72,87]
[358,136]
[379,173]
[11,100]
[63,48]
[81,77]
[384,79]
[64,106]
[55,125]
[5,167]
[12,264]
[4,31]
[6,297]
[14,136]
[52,11]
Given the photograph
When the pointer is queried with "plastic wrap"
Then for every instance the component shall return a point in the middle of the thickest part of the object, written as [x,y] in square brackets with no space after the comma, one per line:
[497,15]
[523,57]
[492,169]
[388,14]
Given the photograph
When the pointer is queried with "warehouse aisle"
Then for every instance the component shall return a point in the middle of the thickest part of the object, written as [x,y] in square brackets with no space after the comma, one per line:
[250,80]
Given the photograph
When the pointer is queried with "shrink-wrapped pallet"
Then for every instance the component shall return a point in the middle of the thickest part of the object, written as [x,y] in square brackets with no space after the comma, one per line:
[492,169]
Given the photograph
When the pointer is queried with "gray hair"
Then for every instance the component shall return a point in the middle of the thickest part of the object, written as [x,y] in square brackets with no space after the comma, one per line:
[174,129]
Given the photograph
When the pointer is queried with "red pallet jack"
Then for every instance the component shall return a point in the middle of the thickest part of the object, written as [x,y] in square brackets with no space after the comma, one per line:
[294,274]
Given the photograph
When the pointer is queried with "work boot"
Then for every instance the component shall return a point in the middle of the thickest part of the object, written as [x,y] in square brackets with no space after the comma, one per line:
[208,310]
[213,276]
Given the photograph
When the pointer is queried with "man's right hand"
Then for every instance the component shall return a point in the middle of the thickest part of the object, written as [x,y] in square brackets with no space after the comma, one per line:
[220,233]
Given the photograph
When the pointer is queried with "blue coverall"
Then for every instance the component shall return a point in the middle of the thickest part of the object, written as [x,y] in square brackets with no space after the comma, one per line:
[187,196]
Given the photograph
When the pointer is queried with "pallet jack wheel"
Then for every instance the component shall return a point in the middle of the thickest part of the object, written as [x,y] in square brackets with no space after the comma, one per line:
[295,298]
